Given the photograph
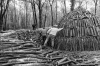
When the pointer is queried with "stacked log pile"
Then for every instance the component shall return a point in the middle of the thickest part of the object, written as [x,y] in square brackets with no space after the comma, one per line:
[77,44]
[35,56]
[26,35]
[14,52]
[79,17]
[79,31]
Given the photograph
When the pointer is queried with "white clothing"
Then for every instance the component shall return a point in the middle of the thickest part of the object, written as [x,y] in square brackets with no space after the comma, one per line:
[53,31]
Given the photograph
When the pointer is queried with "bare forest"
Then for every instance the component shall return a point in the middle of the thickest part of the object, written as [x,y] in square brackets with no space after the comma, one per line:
[21,14]
[49,32]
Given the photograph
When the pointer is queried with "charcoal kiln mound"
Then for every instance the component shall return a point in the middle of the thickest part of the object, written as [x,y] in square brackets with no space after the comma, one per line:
[79,33]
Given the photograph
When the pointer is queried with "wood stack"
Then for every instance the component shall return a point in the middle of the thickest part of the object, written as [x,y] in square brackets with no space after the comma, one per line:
[27,53]
[27,35]
[79,31]
[77,43]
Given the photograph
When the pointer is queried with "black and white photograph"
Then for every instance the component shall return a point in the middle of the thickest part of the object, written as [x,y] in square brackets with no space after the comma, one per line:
[49,32]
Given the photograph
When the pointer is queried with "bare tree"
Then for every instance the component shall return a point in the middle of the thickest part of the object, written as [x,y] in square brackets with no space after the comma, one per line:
[26,15]
[40,12]
[5,22]
[96,3]
[56,11]
[51,6]
[72,4]
[86,3]
[45,16]
[3,8]
[40,6]
[65,6]
[14,16]
[34,12]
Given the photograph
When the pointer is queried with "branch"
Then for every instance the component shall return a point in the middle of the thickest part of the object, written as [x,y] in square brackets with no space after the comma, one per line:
[51,2]
[36,3]
[43,4]
[95,1]
[19,52]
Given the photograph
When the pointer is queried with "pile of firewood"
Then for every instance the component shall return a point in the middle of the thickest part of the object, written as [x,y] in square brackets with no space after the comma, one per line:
[79,31]
[29,36]
[47,57]
[79,17]
[26,35]
[77,44]
[15,52]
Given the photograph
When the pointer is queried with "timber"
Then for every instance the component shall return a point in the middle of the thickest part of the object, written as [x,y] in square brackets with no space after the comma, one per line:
[21,52]
[79,31]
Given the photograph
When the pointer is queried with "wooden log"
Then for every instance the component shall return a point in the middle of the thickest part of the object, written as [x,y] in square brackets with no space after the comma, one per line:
[55,58]
[20,52]
[97,21]
[10,64]
[62,60]
[16,47]
[33,49]
[73,46]
[82,64]
[54,53]
[47,52]
[66,62]
[95,31]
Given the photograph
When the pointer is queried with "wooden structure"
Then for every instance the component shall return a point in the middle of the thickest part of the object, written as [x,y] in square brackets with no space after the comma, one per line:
[80,31]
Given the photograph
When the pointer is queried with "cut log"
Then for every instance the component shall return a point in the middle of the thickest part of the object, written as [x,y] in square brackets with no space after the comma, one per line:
[20,52]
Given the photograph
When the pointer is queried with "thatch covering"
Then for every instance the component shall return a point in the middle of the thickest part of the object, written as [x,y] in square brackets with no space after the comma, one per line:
[80,31]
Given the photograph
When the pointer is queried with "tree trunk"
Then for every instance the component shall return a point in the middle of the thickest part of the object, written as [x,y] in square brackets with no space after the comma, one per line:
[72,4]
[40,14]
[56,12]
[26,19]
[45,20]
[34,14]
[86,5]
[95,9]
[1,16]
[1,23]
[2,12]
[40,18]
[51,15]
[96,6]
[65,6]
[5,22]
[15,16]
[96,3]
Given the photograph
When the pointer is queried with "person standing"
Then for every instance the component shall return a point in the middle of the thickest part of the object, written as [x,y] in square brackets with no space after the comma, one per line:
[51,33]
